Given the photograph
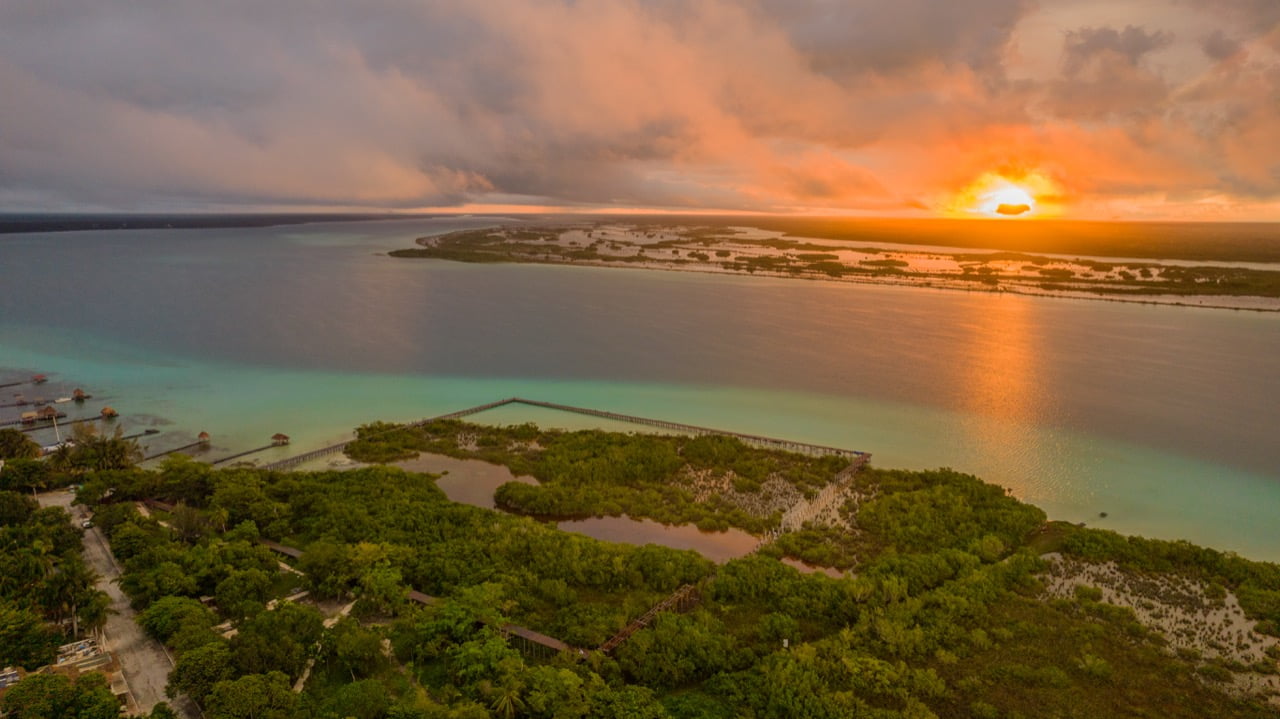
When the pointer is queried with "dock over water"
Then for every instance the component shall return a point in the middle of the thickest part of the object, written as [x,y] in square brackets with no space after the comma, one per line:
[814,450]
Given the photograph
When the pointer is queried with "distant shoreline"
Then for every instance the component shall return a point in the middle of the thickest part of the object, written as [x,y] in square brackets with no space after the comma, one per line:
[29,223]
[462,246]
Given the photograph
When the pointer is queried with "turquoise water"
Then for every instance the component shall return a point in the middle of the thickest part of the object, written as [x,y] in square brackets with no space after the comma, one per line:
[1162,417]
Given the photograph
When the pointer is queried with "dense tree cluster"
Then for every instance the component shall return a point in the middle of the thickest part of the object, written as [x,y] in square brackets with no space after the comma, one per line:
[47,593]
[595,473]
[944,616]
[88,450]
[16,445]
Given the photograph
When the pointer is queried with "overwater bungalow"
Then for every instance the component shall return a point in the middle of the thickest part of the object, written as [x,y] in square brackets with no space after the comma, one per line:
[48,413]
[203,438]
[279,439]
[109,413]
[79,395]
[39,379]
[29,417]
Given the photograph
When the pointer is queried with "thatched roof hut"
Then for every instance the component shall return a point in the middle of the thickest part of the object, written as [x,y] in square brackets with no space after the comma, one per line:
[109,413]
[203,437]
[279,439]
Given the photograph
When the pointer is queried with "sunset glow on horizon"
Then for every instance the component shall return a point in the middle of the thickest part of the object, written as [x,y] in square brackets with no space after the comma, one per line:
[1006,196]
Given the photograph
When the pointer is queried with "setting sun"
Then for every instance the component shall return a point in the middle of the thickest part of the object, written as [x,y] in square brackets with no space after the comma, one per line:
[1008,202]
[1003,196]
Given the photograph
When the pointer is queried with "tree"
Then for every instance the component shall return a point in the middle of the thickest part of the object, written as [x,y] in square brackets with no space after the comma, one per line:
[329,568]
[54,696]
[166,616]
[253,696]
[16,508]
[162,711]
[243,593]
[16,445]
[69,593]
[25,475]
[382,590]
[358,651]
[96,451]
[25,640]
[277,640]
[199,669]
[365,699]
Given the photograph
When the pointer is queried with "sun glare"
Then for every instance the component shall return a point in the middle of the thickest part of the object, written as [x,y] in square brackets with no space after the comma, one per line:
[1000,196]
[1008,202]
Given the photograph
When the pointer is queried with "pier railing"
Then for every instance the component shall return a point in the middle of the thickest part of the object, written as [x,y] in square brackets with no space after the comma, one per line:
[858,458]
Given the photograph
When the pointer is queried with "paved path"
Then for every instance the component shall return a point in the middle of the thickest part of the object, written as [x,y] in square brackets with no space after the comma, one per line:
[143,661]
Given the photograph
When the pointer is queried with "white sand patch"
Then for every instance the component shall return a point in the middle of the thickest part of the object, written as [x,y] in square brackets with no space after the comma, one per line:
[1181,610]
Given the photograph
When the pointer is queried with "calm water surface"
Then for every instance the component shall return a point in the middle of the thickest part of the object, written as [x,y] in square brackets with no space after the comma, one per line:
[1163,417]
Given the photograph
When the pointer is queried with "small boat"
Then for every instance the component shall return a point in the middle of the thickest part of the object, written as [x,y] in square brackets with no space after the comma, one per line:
[50,449]
[61,400]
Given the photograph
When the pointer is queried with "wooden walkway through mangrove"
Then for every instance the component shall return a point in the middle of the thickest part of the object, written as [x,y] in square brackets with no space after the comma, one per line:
[813,450]
[684,598]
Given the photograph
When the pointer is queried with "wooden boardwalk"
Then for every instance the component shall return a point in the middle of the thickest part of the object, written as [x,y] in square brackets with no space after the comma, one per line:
[526,640]
[813,450]
[827,499]
[687,596]
[41,422]
[245,453]
[175,450]
[681,600]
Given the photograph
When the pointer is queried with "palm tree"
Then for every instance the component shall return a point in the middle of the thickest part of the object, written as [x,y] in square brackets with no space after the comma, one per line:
[506,699]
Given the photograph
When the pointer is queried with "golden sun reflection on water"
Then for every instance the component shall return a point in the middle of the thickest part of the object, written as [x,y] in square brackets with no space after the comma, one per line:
[1000,388]
[999,380]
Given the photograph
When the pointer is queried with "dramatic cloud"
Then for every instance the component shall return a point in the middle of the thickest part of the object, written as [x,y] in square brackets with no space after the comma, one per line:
[1137,107]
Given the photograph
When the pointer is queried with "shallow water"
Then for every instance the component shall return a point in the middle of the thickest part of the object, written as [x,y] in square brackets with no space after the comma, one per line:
[473,481]
[1162,417]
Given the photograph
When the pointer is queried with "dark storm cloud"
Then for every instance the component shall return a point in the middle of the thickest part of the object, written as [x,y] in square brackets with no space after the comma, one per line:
[767,105]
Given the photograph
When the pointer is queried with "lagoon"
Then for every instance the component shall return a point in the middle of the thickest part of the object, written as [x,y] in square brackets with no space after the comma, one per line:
[1162,417]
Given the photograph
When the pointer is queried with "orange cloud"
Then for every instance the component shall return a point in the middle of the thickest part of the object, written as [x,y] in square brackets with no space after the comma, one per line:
[1156,108]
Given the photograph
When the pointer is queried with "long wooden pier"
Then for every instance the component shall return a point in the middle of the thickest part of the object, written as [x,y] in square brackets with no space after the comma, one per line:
[40,422]
[144,433]
[814,450]
[184,448]
[752,439]
[245,453]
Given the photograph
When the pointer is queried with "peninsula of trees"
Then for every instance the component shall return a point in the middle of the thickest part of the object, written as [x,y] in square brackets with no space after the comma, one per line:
[960,601]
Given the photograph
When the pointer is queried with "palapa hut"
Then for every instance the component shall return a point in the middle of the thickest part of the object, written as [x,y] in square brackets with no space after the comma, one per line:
[47,412]
[203,438]
[79,395]
[279,439]
[109,413]
[39,379]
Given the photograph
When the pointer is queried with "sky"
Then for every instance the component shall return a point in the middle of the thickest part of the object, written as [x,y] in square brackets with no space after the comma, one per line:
[1094,109]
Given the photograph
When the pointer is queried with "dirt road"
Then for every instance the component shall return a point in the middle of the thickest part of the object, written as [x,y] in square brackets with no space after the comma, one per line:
[143,661]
